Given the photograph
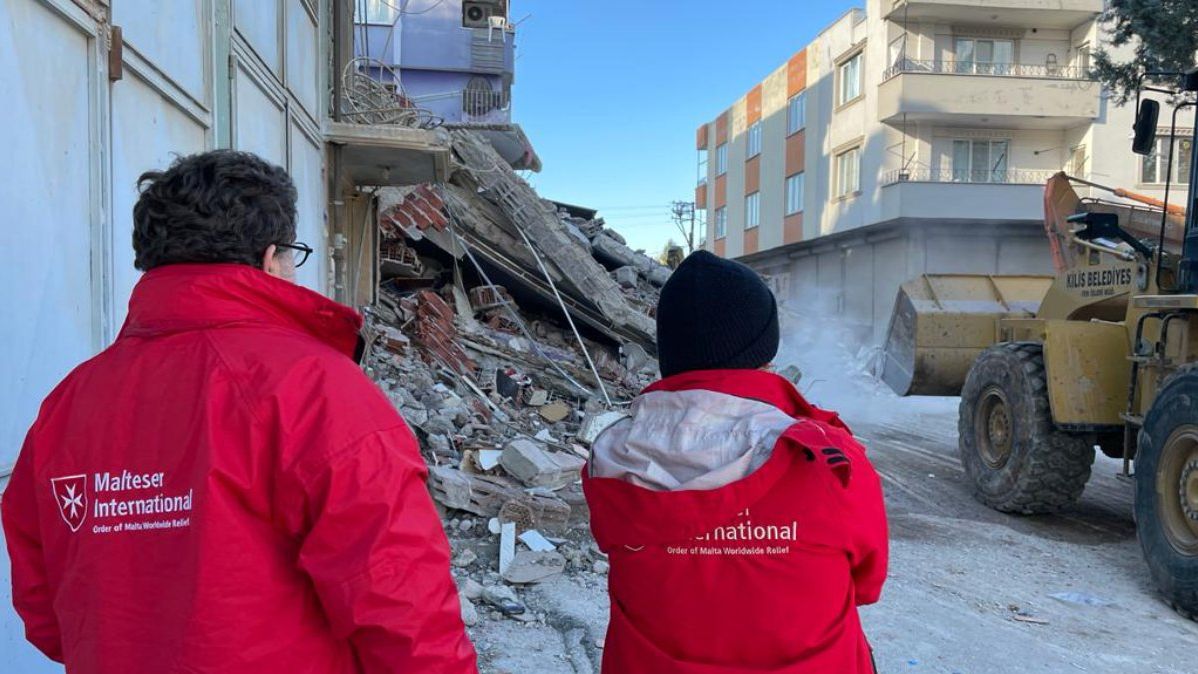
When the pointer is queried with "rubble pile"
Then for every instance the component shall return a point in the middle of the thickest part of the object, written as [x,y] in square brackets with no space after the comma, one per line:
[509,331]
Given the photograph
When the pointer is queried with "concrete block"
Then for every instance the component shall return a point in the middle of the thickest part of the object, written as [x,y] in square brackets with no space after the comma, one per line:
[626,276]
[530,463]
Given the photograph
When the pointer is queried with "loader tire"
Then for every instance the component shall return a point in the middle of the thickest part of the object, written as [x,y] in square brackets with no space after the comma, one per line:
[1018,461]
[1167,491]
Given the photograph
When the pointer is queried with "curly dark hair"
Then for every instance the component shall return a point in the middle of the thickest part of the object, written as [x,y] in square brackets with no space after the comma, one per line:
[219,206]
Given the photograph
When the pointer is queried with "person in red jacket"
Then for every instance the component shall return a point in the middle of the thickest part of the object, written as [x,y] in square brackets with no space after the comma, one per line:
[744,526]
[223,490]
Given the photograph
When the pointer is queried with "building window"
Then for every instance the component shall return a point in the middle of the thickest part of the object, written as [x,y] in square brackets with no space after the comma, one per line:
[980,161]
[721,222]
[754,140]
[721,159]
[850,80]
[848,172]
[703,166]
[753,210]
[381,12]
[985,57]
[1153,168]
[794,193]
[796,113]
[1081,58]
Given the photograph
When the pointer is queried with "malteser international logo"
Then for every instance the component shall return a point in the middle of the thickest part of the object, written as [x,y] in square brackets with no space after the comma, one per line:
[71,494]
[120,502]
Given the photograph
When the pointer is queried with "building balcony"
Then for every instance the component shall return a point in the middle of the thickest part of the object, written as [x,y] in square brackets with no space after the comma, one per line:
[967,176]
[1015,95]
[1061,14]
[956,195]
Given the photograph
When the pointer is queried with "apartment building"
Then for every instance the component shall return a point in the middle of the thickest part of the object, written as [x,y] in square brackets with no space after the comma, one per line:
[914,136]
[459,75]
[453,60]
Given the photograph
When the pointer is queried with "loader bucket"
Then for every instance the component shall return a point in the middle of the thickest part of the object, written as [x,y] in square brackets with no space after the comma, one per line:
[941,322]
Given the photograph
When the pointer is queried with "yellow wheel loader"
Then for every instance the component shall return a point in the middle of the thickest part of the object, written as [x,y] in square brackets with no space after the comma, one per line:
[1103,354]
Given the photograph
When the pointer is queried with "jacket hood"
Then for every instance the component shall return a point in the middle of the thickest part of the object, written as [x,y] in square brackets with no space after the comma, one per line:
[698,448]
[183,297]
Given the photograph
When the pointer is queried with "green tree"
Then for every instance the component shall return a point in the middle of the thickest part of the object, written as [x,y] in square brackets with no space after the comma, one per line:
[1162,33]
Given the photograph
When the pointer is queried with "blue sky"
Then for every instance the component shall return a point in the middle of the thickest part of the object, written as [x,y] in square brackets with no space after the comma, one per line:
[611,92]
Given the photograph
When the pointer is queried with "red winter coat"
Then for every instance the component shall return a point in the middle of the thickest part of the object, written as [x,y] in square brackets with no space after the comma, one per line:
[223,491]
[744,527]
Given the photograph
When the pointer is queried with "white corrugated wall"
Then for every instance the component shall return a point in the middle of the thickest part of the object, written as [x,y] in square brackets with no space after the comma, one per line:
[78,143]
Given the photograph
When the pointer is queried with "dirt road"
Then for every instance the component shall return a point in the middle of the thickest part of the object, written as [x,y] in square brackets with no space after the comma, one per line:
[973,590]
[970,590]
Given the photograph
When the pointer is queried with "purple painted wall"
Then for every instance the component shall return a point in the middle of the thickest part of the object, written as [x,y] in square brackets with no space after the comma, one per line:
[460,74]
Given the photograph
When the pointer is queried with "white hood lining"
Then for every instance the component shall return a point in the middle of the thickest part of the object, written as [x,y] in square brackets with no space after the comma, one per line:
[682,440]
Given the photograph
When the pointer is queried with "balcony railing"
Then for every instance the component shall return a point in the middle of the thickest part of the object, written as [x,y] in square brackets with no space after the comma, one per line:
[945,67]
[482,102]
[1015,177]
[371,94]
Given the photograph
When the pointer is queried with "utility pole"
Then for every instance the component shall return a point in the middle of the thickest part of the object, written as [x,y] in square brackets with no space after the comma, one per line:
[684,217]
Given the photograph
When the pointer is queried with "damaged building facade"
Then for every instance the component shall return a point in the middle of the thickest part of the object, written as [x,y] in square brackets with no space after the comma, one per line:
[912,137]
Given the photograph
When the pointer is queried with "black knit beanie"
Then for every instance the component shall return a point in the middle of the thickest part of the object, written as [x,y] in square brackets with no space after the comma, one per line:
[715,314]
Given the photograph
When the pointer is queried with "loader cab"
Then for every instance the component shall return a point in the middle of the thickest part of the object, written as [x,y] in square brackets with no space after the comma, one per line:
[1173,273]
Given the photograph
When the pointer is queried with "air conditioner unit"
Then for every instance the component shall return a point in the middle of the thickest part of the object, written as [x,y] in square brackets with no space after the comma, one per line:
[478,13]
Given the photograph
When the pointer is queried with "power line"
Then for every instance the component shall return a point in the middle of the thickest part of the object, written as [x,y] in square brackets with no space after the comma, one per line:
[619,208]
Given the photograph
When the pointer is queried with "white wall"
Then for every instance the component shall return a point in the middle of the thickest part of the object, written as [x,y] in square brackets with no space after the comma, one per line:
[53,205]
[277,107]
[80,142]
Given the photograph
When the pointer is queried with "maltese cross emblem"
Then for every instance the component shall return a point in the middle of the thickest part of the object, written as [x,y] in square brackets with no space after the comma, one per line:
[71,495]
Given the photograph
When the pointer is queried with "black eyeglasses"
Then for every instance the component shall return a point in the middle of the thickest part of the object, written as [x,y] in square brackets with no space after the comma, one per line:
[299,248]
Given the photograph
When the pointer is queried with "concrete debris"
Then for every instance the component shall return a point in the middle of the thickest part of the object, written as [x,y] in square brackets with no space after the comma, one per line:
[469,340]
[488,458]
[471,589]
[465,558]
[469,613]
[626,276]
[529,462]
[546,513]
[507,546]
[595,424]
[555,411]
[536,542]
[483,169]
[613,234]
[532,567]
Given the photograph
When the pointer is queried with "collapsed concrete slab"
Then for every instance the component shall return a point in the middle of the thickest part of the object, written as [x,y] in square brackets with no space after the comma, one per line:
[482,168]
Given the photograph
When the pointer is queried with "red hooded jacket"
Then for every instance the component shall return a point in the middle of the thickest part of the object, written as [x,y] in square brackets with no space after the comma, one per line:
[223,491]
[744,527]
